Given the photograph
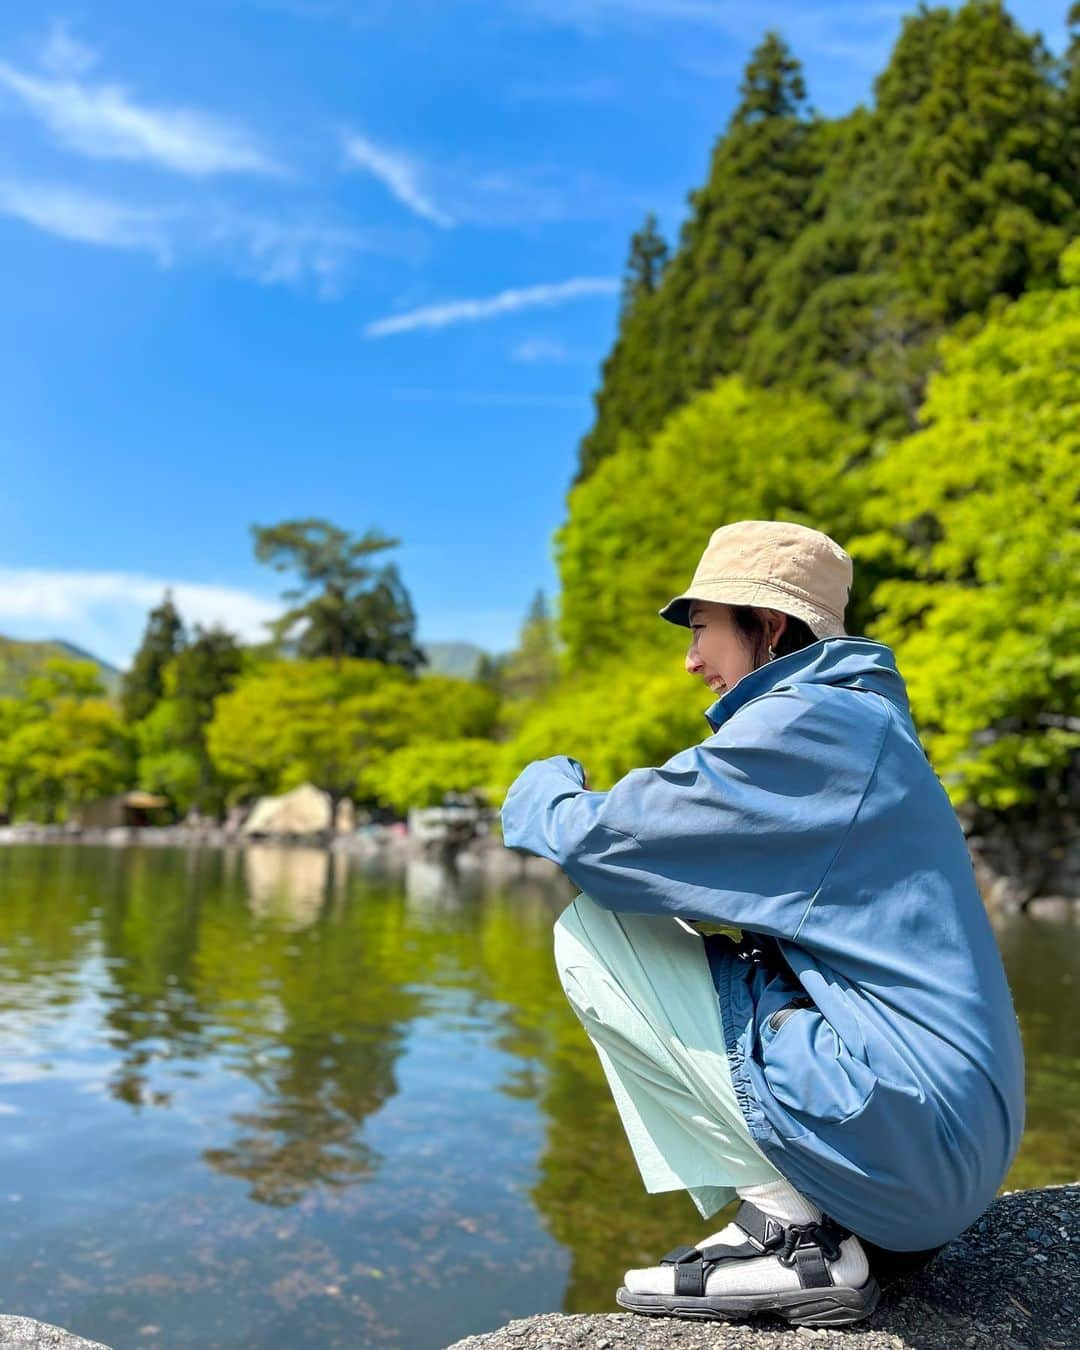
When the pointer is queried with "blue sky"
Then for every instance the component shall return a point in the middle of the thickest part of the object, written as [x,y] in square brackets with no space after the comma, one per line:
[359,260]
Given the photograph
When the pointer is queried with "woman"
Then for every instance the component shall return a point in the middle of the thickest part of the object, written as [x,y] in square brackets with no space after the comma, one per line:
[781,955]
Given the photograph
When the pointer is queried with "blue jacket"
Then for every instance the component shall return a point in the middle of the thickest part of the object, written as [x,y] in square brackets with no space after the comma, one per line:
[894,1097]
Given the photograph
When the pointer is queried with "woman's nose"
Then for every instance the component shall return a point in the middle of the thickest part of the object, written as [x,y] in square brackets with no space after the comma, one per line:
[694,662]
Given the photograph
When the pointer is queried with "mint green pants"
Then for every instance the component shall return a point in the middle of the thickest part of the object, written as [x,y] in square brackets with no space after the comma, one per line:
[642,988]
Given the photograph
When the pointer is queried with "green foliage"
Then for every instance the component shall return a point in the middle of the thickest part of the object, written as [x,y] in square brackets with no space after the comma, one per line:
[831,255]
[452,709]
[321,721]
[980,508]
[21,659]
[637,524]
[173,758]
[346,608]
[61,743]
[677,336]
[332,723]
[424,772]
[142,684]
[534,665]
[630,713]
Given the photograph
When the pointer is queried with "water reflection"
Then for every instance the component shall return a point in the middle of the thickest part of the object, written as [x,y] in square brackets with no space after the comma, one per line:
[291,885]
[279,1092]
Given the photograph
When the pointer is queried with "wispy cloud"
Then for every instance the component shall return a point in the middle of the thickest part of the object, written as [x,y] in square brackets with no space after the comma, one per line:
[400,174]
[285,248]
[62,54]
[506,302]
[70,214]
[105,612]
[104,121]
[536,351]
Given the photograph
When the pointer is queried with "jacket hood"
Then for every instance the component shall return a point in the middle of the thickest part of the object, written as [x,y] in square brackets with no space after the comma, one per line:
[852,662]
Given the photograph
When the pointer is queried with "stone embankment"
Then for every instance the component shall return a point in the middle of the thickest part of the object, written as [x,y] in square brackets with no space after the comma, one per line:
[1011,1282]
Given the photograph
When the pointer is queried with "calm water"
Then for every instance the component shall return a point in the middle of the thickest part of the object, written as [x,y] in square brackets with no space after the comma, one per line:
[249,1100]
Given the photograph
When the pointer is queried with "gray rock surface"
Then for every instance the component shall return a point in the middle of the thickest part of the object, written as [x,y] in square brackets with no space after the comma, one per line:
[1011,1282]
[27,1334]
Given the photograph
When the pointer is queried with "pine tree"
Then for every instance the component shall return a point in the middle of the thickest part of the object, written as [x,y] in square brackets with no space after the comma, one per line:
[626,376]
[1072,94]
[694,327]
[534,666]
[346,607]
[163,639]
[954,189]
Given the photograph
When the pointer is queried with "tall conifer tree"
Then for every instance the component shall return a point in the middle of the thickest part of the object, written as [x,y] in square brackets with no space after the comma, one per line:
[163,639]
[626,386]
[741,220]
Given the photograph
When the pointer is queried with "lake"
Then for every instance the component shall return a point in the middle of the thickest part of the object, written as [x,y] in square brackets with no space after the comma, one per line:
[273,1099]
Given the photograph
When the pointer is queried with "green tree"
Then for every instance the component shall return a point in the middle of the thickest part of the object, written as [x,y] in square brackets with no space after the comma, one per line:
[173,758]
[636,527]
[142,684]
[422,773]
[322,721]
[346,607]
[63,742]
[533,666]
[980,509]
[955,189]
[625,384]
[678,339]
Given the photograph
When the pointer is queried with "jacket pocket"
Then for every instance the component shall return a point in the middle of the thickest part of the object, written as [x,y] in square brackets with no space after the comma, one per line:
[809,1070]
[781,1015]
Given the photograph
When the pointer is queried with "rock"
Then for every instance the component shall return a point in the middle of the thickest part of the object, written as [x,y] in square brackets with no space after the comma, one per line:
[27,1334]
[303,811]
[996,1287]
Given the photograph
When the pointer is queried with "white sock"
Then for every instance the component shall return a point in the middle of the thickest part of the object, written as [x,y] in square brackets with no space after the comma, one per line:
[763,1274]
[780,1200]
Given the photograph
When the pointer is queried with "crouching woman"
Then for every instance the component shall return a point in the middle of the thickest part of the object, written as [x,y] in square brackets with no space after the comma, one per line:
[781,955]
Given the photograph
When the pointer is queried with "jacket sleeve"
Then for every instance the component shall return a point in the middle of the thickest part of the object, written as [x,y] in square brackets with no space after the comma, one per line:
[741,829]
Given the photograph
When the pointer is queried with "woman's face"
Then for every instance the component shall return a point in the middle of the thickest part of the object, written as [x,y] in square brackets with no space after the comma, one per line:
[718,653]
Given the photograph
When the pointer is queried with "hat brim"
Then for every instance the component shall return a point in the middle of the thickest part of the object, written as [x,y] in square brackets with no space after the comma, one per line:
[763,594]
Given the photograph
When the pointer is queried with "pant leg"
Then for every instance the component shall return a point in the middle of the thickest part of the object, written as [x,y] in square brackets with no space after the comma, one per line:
[642,988]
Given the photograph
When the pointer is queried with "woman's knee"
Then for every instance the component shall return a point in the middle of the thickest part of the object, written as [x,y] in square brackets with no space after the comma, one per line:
[582,931]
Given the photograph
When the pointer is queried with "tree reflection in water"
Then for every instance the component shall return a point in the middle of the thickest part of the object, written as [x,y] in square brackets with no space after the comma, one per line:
[268,998]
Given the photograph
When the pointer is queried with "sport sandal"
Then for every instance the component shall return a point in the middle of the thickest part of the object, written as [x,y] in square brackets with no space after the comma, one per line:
[797,1285]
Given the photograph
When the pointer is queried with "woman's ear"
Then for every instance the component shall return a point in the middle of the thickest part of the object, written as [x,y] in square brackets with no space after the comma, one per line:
[777,624]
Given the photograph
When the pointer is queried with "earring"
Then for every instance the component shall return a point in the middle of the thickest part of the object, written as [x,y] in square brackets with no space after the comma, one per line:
[772,654]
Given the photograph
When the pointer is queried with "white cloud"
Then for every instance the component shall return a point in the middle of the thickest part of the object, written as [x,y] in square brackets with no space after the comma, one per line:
[535,351]
[398,173]
[105,612]
[272,250]
[70,214]
[506,302]
[281,251]
[103,121]
[63,54]
[463,191]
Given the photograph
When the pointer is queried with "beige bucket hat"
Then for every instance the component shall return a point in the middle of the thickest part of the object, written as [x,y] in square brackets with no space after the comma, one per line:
[775,564]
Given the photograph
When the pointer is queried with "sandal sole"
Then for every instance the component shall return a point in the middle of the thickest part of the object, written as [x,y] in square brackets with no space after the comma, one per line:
[801,1307]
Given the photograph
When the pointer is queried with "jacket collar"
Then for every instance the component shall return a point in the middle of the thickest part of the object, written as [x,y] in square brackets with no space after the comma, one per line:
[851,662]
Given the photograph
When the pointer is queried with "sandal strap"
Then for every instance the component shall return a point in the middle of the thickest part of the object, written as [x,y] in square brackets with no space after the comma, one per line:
[805,1247]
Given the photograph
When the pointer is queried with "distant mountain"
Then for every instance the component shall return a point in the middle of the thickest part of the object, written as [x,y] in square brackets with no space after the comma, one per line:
[18,660]
[461,659]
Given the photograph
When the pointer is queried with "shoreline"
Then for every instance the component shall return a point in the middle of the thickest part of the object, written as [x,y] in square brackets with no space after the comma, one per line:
[390,845]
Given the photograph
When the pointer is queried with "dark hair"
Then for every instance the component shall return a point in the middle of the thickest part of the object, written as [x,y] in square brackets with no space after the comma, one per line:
[750,624]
